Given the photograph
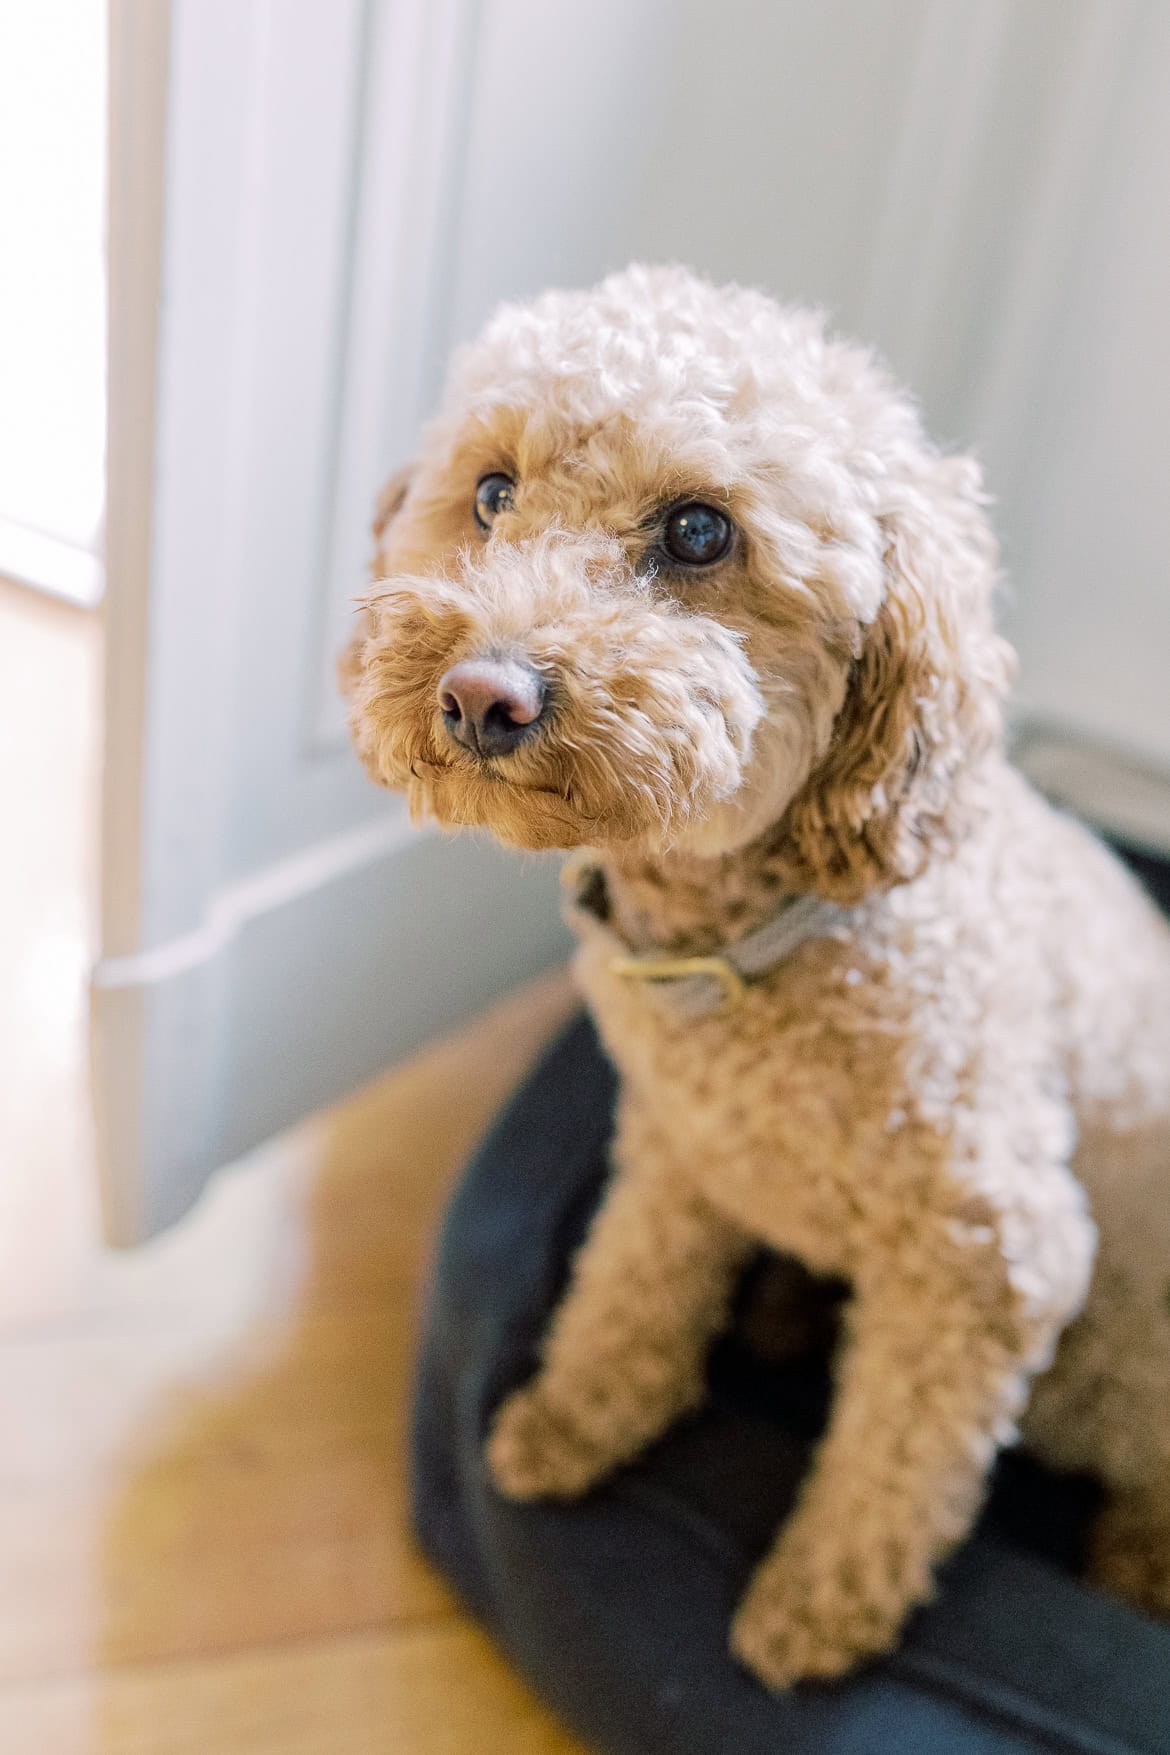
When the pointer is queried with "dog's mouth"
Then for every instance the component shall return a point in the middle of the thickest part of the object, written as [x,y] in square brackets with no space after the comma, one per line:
[470,793]
[485,770]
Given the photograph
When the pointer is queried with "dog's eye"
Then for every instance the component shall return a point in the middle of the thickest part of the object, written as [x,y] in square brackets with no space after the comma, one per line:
[696,535]
[493,494]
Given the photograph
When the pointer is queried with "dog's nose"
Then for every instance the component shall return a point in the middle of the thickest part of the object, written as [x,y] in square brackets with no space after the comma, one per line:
[490,705]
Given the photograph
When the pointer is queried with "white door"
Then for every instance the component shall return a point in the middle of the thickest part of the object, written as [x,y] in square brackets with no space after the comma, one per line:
[312,200]
[272,930]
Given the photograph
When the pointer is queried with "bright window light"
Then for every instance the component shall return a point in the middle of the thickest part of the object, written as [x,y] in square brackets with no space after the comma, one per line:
[52,293]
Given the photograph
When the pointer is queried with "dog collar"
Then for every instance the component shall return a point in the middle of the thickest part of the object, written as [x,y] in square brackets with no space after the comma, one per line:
[697,986]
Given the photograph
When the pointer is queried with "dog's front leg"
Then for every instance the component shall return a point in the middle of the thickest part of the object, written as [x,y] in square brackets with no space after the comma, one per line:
[626,1350]
[931,1382]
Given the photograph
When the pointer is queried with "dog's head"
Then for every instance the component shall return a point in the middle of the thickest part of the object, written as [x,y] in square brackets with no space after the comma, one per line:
[674,570]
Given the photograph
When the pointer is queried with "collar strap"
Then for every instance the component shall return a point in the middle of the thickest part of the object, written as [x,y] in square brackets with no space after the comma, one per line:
[698,986]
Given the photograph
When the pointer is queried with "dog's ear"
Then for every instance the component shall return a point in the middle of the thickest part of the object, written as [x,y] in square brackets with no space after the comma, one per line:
[389,504]
[386,508]
[924,696]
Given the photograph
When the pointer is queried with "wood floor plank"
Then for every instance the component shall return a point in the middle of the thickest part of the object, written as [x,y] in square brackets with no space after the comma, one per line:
[428,1691]
[204,1559]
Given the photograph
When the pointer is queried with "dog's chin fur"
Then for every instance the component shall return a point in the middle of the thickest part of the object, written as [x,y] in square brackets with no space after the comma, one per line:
[540,819]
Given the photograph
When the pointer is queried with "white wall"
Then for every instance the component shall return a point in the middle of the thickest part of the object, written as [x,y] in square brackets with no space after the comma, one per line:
[980,187]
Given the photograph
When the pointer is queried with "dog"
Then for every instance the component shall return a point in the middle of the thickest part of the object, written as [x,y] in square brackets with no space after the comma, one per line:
[678,582]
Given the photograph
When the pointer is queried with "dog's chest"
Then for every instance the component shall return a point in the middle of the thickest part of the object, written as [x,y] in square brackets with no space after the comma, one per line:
[770,1133]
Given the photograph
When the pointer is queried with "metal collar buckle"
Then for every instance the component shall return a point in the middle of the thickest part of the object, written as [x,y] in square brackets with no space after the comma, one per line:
[679,968]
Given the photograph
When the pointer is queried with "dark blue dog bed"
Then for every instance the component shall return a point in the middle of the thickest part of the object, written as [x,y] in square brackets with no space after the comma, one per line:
[617,1608]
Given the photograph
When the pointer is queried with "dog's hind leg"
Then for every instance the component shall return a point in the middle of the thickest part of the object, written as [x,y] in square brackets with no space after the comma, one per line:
[1131,1548]
[1104,1409]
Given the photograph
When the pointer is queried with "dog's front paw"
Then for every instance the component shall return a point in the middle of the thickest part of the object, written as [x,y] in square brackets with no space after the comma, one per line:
[790,1628]
[535,1452]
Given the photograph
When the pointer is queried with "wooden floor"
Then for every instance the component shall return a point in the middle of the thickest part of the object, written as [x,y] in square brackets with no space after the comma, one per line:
[202,1539]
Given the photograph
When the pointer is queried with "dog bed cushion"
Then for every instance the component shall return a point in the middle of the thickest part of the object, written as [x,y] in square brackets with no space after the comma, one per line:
[617,1608]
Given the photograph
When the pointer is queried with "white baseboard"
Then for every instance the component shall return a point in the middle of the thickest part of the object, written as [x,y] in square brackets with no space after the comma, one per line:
[201,1056]
[48,564]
